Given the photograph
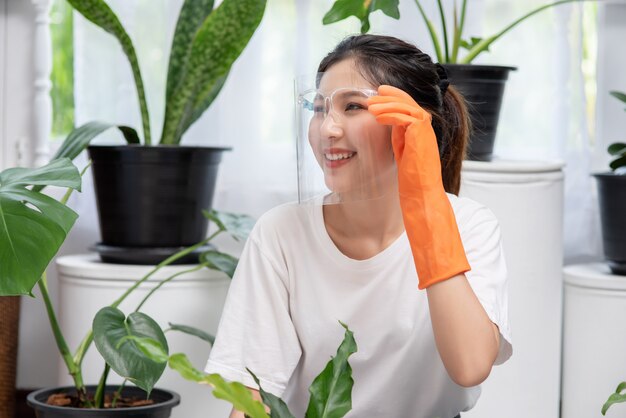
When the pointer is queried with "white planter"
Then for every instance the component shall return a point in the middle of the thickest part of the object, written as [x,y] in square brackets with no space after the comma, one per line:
[86,285]
[527,199]
[594,340]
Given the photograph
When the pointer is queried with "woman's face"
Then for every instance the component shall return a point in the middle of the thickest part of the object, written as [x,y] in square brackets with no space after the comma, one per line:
[353,150]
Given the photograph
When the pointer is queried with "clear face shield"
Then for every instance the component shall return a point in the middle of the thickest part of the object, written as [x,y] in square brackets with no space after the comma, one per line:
[344,155]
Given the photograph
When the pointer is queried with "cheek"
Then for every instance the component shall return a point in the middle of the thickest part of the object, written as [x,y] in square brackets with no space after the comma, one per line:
[314,139]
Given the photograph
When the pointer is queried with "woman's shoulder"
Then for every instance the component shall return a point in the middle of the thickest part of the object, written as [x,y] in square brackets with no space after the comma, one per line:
[469,212]
[282,219]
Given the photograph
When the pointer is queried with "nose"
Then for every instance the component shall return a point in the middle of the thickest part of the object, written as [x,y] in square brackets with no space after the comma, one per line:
[331,126]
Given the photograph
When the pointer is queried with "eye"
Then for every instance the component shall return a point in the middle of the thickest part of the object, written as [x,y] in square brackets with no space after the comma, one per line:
[355,106]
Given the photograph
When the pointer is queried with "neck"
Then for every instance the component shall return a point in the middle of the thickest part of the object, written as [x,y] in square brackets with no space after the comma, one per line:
[379,219]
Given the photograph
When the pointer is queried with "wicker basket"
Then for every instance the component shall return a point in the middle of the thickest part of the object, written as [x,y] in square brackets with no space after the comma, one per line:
[9,333]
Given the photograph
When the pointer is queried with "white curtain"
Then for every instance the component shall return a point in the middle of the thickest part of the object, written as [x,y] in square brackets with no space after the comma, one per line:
[543,115]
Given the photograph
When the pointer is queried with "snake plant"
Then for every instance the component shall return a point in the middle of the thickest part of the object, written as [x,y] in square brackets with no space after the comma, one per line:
[447,45]
[206,43]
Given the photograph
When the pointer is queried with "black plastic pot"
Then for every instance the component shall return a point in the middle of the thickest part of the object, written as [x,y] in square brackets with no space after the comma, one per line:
[612,200]
[165,400]
[483,89]
[150,199]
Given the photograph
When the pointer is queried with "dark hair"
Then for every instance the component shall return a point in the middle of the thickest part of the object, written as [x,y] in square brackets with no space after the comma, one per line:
[388,60]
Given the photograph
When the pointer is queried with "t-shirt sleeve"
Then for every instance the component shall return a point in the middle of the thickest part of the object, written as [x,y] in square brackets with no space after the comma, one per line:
[255,329]
[482,241]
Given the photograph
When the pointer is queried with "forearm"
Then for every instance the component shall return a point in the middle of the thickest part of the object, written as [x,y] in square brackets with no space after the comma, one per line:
[466,338]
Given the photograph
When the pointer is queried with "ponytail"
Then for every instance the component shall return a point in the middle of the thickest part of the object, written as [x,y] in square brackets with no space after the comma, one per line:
[455,131]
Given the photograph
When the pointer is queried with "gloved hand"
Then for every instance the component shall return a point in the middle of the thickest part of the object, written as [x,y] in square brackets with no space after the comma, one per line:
[428,216]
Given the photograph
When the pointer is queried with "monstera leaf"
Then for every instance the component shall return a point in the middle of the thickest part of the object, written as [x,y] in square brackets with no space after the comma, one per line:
[32,225]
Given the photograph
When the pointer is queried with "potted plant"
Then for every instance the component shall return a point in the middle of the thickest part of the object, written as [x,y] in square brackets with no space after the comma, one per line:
[612,200]
[34,227]
[150,197]
[481,85]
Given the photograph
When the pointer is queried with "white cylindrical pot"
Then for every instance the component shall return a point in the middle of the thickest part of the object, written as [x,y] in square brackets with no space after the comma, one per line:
[86,285]
[527,199]
[594,340]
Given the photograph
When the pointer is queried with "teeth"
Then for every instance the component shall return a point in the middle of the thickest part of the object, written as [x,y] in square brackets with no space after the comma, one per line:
[341,156]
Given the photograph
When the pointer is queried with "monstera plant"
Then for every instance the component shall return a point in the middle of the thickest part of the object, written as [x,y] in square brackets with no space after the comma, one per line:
[33,225]
[138,219]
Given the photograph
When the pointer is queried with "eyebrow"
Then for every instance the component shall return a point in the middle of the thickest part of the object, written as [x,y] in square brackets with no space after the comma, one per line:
[345,94]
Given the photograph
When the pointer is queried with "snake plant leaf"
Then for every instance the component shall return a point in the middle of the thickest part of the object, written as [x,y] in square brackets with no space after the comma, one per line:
[237,225]
[361,9]
[99,13]
[616,397]
[193,331]
[237,394]
[223,262]
[331,390]
[111,329]
[32,225]
[278,408]
[205,98]
[192,15]
[80,138]
[217,44]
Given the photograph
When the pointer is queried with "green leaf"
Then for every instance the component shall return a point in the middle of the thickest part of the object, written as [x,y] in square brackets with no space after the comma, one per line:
[192,15]
[471,44]
[205,98]
[619,95]
[331,391]
[237,225]
[223,262]
[617,163]
[237,394]
[32,225]
[361,9]
[193,331]
[616,397]
[182,365]
[218,43]
[99,13]
[80,138]
[278,408]
[111,331]
[151,348]
[616,148]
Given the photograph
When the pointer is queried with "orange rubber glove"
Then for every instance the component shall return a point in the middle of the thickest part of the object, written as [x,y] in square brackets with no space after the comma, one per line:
[428,216]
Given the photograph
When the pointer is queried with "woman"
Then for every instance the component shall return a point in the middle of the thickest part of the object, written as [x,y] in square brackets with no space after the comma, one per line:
[421,353]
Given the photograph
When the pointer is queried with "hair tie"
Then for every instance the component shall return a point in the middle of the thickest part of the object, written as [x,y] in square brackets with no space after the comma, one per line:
[443,78]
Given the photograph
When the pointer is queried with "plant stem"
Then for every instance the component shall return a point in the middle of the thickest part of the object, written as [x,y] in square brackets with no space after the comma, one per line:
[82,349]
[162,282]
[483,45]
[64,350]
[444,29]
[458,33]
[431,30]
[118,393]
[99,396]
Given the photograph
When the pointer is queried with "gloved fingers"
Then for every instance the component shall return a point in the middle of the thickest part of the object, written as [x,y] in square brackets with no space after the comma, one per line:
[391,107]
[397,142]
[396,119]
[385,90]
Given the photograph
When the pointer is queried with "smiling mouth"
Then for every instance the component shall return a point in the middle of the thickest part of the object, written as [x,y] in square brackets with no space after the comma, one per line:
[339,156]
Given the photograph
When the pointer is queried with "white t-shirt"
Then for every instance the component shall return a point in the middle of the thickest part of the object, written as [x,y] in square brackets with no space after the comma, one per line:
[293,285]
